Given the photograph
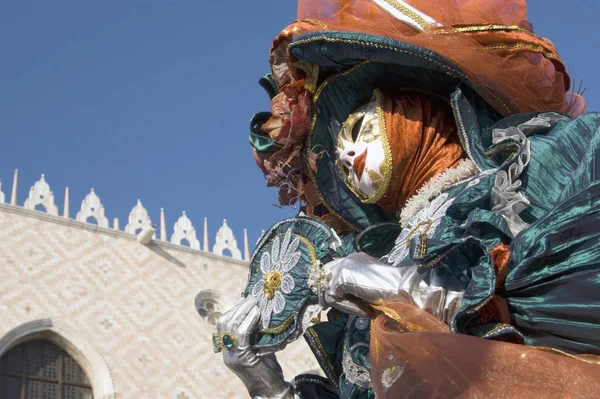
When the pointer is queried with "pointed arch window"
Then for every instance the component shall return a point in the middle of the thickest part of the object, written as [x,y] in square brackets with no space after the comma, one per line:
[41,370]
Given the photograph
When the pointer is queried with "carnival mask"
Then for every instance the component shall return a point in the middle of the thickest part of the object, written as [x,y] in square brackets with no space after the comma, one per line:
[363,151]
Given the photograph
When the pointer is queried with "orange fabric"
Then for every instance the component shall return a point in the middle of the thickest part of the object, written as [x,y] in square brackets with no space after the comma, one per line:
[422,134]
[433,363]
[497,308]
[500,257]
[517,71]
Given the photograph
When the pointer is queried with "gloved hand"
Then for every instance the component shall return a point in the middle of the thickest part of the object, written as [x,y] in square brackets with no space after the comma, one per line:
[358,280]
[261,375]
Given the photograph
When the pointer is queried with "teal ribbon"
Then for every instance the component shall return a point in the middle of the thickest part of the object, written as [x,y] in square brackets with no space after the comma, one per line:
[258,140]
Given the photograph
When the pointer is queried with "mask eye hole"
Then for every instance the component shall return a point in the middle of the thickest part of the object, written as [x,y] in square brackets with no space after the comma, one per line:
[356,129]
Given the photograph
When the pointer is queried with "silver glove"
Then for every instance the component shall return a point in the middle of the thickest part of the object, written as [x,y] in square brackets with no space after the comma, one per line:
[262,375]
[358,279]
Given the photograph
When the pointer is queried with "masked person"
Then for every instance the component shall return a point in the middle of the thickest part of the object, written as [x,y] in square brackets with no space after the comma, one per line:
[441,138]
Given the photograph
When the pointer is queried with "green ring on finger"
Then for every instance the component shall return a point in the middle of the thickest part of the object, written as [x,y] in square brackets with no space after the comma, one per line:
[227,341]
[216,342]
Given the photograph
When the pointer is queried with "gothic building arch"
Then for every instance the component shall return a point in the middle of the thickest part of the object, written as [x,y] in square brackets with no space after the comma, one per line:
[67,338]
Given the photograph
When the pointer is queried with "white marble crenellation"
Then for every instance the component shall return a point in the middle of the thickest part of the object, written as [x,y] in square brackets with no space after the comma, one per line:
[184,230]
[92,207]
[138,219]
[226,240]
[40,194]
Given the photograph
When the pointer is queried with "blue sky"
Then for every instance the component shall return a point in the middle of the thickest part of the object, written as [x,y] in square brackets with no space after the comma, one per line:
[151,99]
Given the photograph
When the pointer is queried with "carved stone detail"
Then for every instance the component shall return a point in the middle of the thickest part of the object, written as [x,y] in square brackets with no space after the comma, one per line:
[226,240]
[91,206]
[40,194]
[138,219]
[183,229]
[2,197]
[209,305]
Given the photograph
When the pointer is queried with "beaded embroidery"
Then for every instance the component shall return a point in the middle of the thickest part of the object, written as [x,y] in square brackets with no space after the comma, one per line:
[275,266]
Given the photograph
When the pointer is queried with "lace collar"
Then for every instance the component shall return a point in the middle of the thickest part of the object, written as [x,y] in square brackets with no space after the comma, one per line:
[435,186]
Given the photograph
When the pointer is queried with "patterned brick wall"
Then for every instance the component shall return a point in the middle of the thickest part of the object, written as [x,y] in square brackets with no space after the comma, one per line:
[133,303]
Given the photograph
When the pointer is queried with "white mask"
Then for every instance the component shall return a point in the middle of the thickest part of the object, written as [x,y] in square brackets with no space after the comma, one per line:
[363,152]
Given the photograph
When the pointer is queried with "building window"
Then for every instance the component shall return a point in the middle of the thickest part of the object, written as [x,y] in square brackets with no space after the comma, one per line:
[209,312]
[208,306]
[42,370]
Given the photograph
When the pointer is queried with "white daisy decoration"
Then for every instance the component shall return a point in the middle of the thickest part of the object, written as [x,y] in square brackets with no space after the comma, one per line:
[423,223]
[275,279]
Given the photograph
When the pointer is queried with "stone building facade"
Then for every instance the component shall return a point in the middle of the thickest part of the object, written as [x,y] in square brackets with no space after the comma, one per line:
[134,310]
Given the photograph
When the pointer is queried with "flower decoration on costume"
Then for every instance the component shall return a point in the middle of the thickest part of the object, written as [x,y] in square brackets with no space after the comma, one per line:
[279,279]
[275,279]
[423,224]
[295,82]
[318,277]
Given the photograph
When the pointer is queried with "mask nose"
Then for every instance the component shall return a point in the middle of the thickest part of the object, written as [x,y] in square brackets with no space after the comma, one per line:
[347,157]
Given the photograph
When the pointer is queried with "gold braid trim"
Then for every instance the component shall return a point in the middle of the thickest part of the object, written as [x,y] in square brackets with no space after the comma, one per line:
[321,350]
[387,166]
[494,27]
[575,357]
[524,46]
[280,328]
[481,28]
[313,22]
[312,252]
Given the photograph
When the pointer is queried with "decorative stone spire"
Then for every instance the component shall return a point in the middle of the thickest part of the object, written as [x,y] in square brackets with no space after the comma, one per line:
[246,249]
[66,210]
[1,194]
[40,194]
[116,224]
[138,219]
[183,230]
[226,240]
[92,207]
[163,225]
[205,246]
[13,195]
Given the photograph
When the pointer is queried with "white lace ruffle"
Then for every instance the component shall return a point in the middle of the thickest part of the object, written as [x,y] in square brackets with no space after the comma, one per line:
[507,197]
